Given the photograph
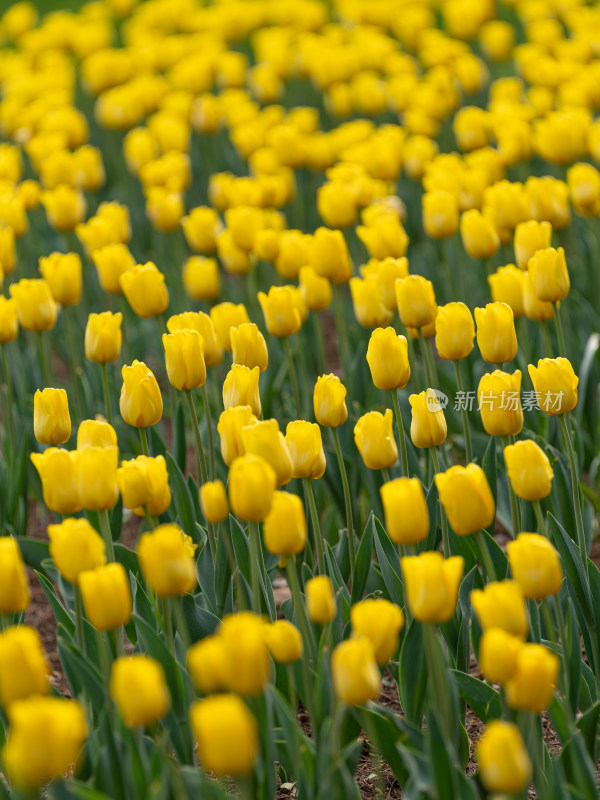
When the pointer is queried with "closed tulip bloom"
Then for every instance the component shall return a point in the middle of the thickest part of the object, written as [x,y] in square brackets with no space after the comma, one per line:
[106,596]
[316,290]
[103,337]
[213,501]
[548,275]
[387,356]
[59,477]
[201,322]
[584,185]
[356,678]
[75,547]
[62,271]
[496,335]
[46,736]
[65,207]
[201,228]
[380,621]
[320,600]
[263,438]
[184,359]
[230,425]
[507,286]
[166,557]
[534,308]
[440,214]
[337,205]
[227,735]
[501,604]
[431,584]
[95,433]
[51,420]
[282,318]
[459,482]
[243,636]
[498,651]
[329,255]
[293,252]
[111,261]
[499,395]
[384,237]
[284,641]
[248,346]
[36,308]
[8,255]
[535,565]
[141,401]
[201,279]
[9,319]
[387,272]
[284,527]
[530,237]
[375,440]
[234,259]
[207,662]
[252,484]
[555,385]
[24,667]
[428,426]
[145,290]
[329,401]
[226,316]
[416,301]
[240,388]
[528,469]
[139,689]
[144,484]
[305,447]
[531,686]
[479,236]
[504,763]
[97,477]
[367,300]
[14,587]
[454,331]
[405,510]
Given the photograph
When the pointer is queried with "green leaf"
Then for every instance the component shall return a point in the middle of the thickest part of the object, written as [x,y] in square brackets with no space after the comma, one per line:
[182,498]
[488,465]
[179,445]
[413,675]
[82,675]
[389,564]
[363,560]
[440,759]
[384,735]
[200,622]
[34,551]
[571,559]
[73,790]
[579,767]
[58,609]
[572,646]
[588,724]
[484,700]
[128,558]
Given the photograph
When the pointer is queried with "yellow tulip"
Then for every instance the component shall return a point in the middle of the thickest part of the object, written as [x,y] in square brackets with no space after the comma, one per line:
[431,585]
[106,596]
[248,346]
[320,600]
[241,388]
[139,689]
[36,308]
[499,395]
[184,358]
[356,678]
[213,501]
[528,469]
[530,237]
[230,425]
[24,667]
[501,604]
[315,289]
[416,301]
[145,290]
[252,484]
[144,484]
[226,316]
[405,510]
[97,477]
[531,686]
[454,331]
[103,337]
[60,482]
[14,587]
[507,286]
[548,275]
[227,735]
[555,385]
[9,320]
[111,261]
[75,547]
[504,763]
[201,322]
[284,527]
[305,447]
[459,482]
[367,300]
[62,271]
[479,236]
[201,279]
[51,420]
[535,565]
[284,641]
[166,557]
[387,356]
[329,401]
[498,651]
[282,318]
[440,214]
[375,440]
[380,621]
[243,638]
[496,336]
[207,662]
[141,401]
[428,427]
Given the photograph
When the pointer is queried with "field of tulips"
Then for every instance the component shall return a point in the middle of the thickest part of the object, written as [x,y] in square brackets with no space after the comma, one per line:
[300,381]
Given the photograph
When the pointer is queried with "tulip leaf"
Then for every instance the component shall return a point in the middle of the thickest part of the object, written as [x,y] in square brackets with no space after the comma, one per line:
[179,444]
[182,498]
[571,559]
[413,675]
[222,575]
[579,768]
[82,675]
[384,735]
[588,724]
[58,609]
[200,622]
[128,558]
[572,645]
[498,556]
[299,749]
[389,564]
[205,572]
[484,700]
[441,759]
[363,560]
[334,573]
[489,466]
[73,790]
[34,551]
[433,507]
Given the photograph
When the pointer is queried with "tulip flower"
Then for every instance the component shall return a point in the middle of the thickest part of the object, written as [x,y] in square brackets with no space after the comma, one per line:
[230,425]
[405,510]
[62,272]
[201,322]
[111,261]
[305,447]
[184,358]
[227,735]
[320,600]
[499,395]
[530,237]
[380,621]
[36,308]
[166,557]
[241,388]
[282,318]
[263,438]
[501,604]
[65,207]
[440,214]
[529,470]
[75,547]
[496,336]
[97,477]
[201,228]
[248,346]
[139,689]
[535,309]
[428,426]
[51,420]
[498,651]
[387,356]
[374,438]
[479,236]
[356,679]
[329,400]
[95,433]
[284,527]
[507,286]
[201,279]
[367,300]
[457,483]
[284,641]
[416,301]
[294,250]
[244,642]
[316,290]
[14,588]
[504,763]
[555,384]
[207,661]
[213,501]
[60,481]
[384,237]
[106,596]
[144,485]
[145,290]
[548,275]
[9,320]
[535,565]
[103,337]
[24,667]
[141,401]
[252,484]
[531,686]
[454,331]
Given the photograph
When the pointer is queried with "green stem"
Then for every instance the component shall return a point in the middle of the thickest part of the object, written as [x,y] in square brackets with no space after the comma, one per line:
[340,326]
[106,534]
[9,420]
[548,621]
[465,415]
[321,361]
[168,620]
[560,331]
[235,572]
[401,433]
[300,608]
[347,501]
[314,515]
[73,362]
[144,441]
[292,373]
[546,339]
[514,506]
[436,670]
[485,556]
[200,460]
[254,535]
[443,518]
[149,521]
[44,360]
[575,489]
[537,509]
[426,354]
[79,635]
[211,446]
[106,391]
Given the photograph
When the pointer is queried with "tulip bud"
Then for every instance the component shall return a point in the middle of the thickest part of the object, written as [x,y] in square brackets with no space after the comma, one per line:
[145,290]
[226,316]
[320,600]
[531,686]
[24,667]
[60,480]
[387,356]
[367,300]
[184,359]
[51,420]
[336,203]
[284,641]
[374,438]
[507,286]
[166,557]
[457,483]
[9,320]
[294,252]
[534,308]
[504,763]
[499,395]
[36,308]
[227,735]
[8,256]
[14,588]
[243,638]
[229,428]
[315,289]
[530,237]
[241,388]
[62,271]
[454,331]
[479,236]
[284,528]
[248,346]
[416,301]
[252,484]
[498,651]
[405,510]
[384,237]
[106,596]
[380,621]
[548,275]
[141,401]
[584,184]
[282,318]
[496,335]
[535,565]
[207,662]
[528,470]
[428,427]
[555,385]
[201,322]
[234,259]
[139,689]
[501,604]
[95,433]
[440,214]
[201,228]
[97,477]
[305,447]
[201,279]
[431,585]
[329,401]
[65,207]
[213,501]
[144,484]
[111,261]
[75,547]
[356,679]
[103,337]
[263,438]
